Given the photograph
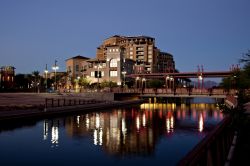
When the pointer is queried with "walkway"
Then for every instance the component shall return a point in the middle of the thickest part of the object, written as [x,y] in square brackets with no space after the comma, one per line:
[26,105]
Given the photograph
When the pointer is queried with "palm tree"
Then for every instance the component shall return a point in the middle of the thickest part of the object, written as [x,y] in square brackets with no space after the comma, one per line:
[246,58]
[36,80]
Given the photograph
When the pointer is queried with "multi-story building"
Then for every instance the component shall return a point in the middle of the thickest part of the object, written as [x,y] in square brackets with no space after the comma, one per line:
[76,66]
[165,63]
[7,74]
[140,49]
[118,56]
[113,68]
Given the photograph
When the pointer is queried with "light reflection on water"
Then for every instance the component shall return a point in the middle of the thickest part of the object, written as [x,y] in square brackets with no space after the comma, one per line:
[137,134]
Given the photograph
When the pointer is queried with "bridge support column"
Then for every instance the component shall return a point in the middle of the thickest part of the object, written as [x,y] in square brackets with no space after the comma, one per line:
[155,100]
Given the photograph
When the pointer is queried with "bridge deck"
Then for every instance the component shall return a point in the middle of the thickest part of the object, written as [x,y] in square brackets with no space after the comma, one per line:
[184,95]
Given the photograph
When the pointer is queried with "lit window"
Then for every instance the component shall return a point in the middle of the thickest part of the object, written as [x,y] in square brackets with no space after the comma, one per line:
[149,60]
[92,74]
[149,56]
[77,67]
[113,50]
[131,57]
[113,73]
[131,48]
[117,50]
[149,52]
[113,63]
[102,73]
[131,53]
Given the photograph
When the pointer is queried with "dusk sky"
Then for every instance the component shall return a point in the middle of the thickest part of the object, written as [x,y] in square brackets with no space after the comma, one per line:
[33,33]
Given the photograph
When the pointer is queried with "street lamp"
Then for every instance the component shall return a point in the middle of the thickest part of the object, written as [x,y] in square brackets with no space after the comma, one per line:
[167,78]
[124,73]
[137,82]
[143,84]
[98,75]
[46,77]
[55,67]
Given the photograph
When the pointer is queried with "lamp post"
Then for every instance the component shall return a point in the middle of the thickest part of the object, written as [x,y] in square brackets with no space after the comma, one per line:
[137,82]
[46,77]
[143,84]
[167,78]
[124,73]
[55,67]
[98,75]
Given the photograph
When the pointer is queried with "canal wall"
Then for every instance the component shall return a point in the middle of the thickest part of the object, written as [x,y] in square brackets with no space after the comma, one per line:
[62,110]
[97,95]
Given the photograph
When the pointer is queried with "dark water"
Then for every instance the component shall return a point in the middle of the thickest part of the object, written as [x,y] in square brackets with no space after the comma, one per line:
[149,134]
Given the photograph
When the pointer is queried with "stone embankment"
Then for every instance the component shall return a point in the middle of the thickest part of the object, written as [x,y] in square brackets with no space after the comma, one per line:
[26,105]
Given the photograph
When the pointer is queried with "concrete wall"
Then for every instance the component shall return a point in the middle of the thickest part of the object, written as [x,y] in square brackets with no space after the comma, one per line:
[98,96]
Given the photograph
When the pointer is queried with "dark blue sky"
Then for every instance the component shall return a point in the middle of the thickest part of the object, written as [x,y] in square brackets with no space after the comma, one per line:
[34,33]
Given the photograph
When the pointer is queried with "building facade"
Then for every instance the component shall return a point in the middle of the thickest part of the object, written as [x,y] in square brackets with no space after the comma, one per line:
[7,74]
[114,68]
[165,63]
[119,56]
[140,49]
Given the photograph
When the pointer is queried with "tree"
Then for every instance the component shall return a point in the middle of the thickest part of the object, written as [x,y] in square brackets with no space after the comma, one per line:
[21,81]
[36,81]
[108,84]
[245,58]
[84,82]
[155,84]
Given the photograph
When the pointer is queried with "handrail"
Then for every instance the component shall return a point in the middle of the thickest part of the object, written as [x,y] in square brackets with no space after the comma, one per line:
[51,102]
[213,149]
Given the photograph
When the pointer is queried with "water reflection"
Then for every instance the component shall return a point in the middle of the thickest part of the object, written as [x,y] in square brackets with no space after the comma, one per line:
[51,127]
[137,130]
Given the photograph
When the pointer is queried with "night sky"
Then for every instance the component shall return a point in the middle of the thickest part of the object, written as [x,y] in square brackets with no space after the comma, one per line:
[33,33]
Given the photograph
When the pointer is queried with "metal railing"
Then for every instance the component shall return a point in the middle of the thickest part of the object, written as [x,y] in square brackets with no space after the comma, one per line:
[178,91]
[214,148]
[51,102]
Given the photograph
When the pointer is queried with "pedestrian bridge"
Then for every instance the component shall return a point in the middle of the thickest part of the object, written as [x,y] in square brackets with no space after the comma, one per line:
[179,92]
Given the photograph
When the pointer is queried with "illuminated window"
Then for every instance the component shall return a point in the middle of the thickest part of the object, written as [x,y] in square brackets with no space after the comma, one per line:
[92,74]
[113,73]
[131,53]
[113,63]
[77,67]
[102,73]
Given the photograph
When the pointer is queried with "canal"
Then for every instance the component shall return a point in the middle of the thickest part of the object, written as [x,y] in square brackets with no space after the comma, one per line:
[146,134]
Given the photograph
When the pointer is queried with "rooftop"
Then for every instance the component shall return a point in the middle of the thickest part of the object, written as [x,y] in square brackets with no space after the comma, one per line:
[79,57]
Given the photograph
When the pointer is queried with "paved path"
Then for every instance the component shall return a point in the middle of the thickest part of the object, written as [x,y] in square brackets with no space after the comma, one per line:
[10,101]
